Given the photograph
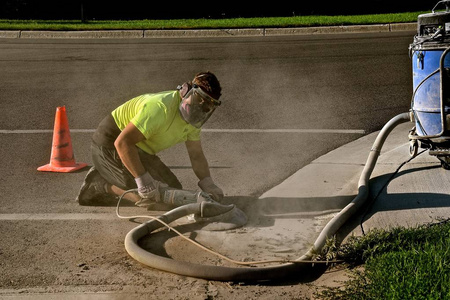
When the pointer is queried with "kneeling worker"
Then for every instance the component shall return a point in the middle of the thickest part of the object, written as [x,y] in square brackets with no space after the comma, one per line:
[126,142]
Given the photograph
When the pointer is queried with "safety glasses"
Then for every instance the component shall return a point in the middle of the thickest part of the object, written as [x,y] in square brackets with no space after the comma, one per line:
[197,106]
[207,99]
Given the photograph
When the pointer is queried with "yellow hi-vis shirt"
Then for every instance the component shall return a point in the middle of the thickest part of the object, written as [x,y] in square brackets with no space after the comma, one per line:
[158,118]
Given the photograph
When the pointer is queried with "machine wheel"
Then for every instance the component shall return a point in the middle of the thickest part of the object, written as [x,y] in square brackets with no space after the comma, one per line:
[413,148]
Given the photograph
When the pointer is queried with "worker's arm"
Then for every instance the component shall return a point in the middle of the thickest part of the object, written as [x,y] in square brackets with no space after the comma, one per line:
[201,170]
[198,159]
[127,150]
[128,153]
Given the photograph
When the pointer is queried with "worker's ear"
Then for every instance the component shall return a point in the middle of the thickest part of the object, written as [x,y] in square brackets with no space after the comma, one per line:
[184,89]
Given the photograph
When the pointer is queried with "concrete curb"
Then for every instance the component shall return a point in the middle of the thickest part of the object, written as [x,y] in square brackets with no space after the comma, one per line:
[417,195]
[136,34]
[113,34]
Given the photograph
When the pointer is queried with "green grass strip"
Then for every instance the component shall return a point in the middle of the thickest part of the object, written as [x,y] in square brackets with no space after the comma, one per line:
[269,22]
[401,263]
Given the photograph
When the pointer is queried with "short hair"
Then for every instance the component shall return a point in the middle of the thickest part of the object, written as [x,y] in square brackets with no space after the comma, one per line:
[209,83]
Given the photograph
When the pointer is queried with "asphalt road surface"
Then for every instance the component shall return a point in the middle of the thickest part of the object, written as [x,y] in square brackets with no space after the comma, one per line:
[286,101]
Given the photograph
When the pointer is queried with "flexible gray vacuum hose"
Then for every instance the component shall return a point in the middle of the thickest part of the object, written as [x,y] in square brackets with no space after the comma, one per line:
[363,187]
[209,272]
[221,273]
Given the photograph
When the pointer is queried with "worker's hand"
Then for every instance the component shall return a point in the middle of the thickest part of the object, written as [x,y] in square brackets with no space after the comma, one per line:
[147,187]
[207,185]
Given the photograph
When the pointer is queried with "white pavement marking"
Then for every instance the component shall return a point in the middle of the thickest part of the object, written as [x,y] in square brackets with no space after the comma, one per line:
[341,131]
[26,131]
[351,131]
[57,216]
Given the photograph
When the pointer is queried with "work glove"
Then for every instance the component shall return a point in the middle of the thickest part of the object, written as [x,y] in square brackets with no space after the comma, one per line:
[147,188]
[207,185]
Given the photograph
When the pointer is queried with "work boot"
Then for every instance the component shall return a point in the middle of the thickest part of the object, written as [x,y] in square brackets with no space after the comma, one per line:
[93,191]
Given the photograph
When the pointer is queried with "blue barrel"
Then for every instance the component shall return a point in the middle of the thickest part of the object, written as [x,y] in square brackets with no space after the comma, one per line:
[430,66]
[428,110]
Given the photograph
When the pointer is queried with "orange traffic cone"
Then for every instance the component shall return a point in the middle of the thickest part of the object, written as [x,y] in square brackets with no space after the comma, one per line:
[62,158]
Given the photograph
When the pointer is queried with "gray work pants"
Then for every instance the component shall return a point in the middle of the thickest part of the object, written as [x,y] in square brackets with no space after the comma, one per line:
[108,163]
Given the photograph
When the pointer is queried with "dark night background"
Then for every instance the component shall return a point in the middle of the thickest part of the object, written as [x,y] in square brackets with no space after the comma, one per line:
[133,9]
